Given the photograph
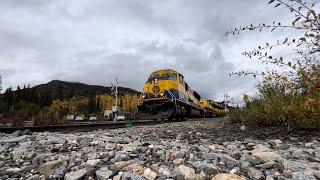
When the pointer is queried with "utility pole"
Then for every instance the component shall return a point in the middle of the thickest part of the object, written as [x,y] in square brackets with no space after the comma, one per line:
[226,97]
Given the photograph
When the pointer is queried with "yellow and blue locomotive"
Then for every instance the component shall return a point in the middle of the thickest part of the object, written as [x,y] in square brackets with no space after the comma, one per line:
[166,95]
[213,108]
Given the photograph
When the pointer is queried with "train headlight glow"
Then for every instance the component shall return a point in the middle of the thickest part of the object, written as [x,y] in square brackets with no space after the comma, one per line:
[161,94]
[143,96]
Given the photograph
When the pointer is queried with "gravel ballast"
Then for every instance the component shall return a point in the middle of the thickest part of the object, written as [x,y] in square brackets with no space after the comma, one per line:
[203,149]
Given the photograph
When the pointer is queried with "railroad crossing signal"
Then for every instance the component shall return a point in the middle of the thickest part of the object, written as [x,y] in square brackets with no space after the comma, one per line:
[114,89]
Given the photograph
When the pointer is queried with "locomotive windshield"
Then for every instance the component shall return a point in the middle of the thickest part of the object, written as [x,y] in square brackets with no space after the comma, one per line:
[163,77]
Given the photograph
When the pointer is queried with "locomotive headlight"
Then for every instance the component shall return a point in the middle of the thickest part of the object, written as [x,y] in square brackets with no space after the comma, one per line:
[161,94]
[156,81]
[143,96]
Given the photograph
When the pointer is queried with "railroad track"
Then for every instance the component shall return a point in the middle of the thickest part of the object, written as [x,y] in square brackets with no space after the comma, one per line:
[86,127]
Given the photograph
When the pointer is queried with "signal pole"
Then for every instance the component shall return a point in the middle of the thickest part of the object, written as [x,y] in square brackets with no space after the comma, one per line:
[115,90]
[226,97]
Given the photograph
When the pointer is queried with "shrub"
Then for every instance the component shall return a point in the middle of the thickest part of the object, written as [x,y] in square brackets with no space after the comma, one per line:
[291,97]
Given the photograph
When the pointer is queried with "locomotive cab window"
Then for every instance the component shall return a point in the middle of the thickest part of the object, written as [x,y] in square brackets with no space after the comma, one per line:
[181,79]
[162,77]
[172,76]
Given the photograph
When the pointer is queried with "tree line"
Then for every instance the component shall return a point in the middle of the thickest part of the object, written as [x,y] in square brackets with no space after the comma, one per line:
[30,104]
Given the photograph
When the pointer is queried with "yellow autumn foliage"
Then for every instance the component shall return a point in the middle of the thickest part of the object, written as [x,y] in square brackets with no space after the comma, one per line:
[77,105]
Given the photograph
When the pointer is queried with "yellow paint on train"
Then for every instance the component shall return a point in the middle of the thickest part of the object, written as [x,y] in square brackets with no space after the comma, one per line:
[164,79]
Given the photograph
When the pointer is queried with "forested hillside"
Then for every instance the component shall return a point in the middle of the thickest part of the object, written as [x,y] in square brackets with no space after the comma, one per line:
[50,103]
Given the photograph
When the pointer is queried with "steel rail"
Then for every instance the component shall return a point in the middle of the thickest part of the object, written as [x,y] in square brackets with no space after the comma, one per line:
[83,127]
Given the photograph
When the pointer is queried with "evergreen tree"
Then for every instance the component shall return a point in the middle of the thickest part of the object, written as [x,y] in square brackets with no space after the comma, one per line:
[98,107]
[34,95]
[8,97]
[91,103]
[71,94]
[42,99]
[18,95]
[121,102]
[45,98]
[28,94]
[60,95]
[24,93]
[48,98]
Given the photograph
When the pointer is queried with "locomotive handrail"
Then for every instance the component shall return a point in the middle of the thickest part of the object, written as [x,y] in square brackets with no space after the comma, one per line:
[174,97]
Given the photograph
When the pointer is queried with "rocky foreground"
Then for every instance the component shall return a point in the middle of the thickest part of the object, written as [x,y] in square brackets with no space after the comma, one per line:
[182,150]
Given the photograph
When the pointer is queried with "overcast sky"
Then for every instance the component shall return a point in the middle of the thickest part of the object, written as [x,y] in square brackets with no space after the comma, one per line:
[93,41]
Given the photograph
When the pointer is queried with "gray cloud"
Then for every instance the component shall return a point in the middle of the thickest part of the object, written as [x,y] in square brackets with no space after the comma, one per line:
[94,41]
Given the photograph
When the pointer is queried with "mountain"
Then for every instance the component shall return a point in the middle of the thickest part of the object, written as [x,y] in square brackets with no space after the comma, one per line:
[78,89]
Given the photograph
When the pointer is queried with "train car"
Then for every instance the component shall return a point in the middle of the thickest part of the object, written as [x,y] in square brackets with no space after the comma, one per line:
[213,108]
[166,95]
[217,107]
[210,110]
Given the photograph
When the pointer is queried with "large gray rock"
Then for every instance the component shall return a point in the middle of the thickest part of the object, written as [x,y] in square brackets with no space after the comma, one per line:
[317,175]
[15,139]
[200,165]
[34,177]
[56,140]
[84,141]
[255,174]
[275,142]
[308,145]
[299,154]
[27,132]
[111,146]
[212,170]
[164,170]
[60,172]
[317,153]
[13,170]
[25,169]
[76,175]
[38,159]
[236,154]
[269,156]
[269,165]
[226,176]
[229,161]
[103,173]
[17,153]
[305,174]
[149,174]
[93,162]
[133,176]
[49,168]
[188,173]
[17,133]
[120,157]
[210,156]
[2,163]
